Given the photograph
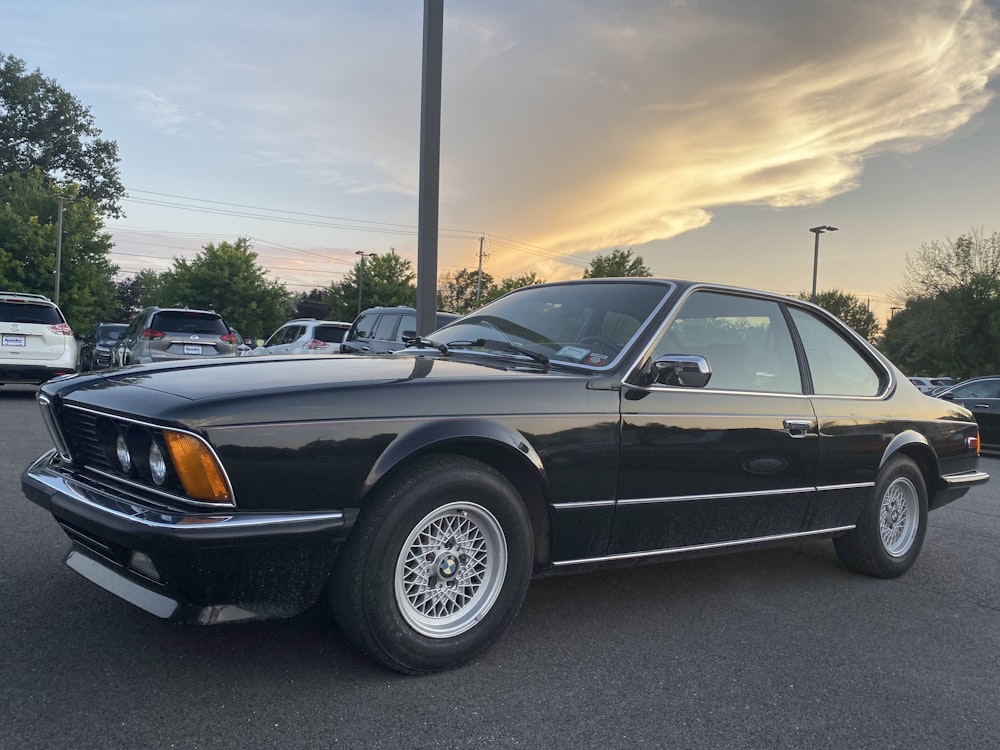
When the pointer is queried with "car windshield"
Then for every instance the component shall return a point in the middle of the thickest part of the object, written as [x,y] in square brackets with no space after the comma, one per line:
[574,323]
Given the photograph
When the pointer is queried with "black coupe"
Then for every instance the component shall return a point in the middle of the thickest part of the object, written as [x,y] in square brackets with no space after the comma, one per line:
[563,427]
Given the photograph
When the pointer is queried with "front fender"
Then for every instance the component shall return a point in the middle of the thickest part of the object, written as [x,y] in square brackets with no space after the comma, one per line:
[428,435]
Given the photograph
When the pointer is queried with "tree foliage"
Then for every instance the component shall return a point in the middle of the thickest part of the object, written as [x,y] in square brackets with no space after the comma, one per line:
[849,309]
[510,283]
[43,127]
[617,263]
[950,321]
[464,290]
[29,225]
[311,304]
[388,279]
[225,278]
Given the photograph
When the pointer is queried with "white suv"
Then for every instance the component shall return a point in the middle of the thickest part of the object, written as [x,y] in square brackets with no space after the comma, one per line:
[305,336]
[36,342]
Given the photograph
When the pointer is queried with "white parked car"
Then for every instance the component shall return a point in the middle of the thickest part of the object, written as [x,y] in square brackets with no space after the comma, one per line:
[927,384]
[305,336]
[36,342]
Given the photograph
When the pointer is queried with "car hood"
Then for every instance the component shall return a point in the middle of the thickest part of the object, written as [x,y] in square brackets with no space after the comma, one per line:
[309,387]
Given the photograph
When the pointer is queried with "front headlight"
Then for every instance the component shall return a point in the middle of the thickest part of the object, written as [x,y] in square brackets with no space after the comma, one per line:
[157,465]
[123,454]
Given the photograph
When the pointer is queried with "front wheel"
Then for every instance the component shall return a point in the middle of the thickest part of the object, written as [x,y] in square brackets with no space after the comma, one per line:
[890,532]
[436,567]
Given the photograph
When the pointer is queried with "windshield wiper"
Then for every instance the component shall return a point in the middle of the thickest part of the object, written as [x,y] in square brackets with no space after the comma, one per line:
[418,342]
[502,346]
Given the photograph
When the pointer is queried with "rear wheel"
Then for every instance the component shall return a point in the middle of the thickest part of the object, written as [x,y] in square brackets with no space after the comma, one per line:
[890,532]
[436,567]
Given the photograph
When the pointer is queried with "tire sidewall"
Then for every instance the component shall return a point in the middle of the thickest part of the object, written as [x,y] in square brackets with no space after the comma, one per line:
[463,481]
[884,564]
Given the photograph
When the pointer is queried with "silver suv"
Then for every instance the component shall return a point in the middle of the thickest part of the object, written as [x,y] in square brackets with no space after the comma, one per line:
[305,336]
[165,334]
[36,342]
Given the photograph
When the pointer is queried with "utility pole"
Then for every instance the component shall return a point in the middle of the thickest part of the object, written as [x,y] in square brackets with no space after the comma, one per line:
[479,280]
[58,248]
[361,274]
[430,167]
[818,231]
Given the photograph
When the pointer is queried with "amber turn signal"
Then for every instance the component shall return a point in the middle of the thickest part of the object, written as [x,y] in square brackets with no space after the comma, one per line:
[197,468]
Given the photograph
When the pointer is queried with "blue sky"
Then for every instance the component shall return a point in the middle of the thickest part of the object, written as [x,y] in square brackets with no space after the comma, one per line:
[706,136]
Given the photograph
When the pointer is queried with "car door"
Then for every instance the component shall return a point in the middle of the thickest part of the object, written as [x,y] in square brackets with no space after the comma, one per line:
[982,398]
[384,336]
[706,467]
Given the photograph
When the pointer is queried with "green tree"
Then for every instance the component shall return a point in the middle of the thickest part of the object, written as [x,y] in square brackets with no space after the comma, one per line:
[227,278]
[463,291]
[617,263]
[388,280]
[849,309]
[44,127]
[311,304]
[510,283]
[950,321]
[29,224]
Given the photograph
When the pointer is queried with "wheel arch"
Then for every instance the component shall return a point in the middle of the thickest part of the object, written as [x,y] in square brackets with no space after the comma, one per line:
[502,448]
[916,447]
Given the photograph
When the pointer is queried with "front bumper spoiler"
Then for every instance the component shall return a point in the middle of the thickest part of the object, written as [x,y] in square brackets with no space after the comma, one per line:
[196,567]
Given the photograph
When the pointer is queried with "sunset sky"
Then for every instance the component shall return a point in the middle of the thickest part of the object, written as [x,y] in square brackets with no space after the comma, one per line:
[708,136]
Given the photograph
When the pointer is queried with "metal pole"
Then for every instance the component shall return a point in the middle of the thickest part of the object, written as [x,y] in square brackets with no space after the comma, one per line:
[815,262]
[59,248]
[361,277]
[818,231]
[430,168]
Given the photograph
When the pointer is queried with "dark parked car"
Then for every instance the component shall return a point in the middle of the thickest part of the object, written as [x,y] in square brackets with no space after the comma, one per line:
[165,334]
[96,346]
[562,427]
[981,396]
[379,330]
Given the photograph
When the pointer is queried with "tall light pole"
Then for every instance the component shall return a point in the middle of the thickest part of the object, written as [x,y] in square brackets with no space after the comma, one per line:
[818,231]
[361,273]
[58,274]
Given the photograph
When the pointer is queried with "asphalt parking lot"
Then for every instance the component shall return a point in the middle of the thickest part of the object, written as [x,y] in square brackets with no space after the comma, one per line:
[775,649]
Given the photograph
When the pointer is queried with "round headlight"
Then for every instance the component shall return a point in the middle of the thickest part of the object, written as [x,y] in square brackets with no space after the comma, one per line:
[124,457]
[157,465]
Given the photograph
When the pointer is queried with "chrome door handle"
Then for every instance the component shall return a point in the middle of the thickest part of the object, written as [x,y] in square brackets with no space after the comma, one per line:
[798,428]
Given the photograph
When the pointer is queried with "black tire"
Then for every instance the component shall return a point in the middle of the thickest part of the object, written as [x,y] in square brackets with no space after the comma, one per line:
[890,532]
[436,567]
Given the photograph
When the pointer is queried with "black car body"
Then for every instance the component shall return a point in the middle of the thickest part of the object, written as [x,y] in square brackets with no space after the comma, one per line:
[981,396]
[97,344]
[563,427]
[380,330]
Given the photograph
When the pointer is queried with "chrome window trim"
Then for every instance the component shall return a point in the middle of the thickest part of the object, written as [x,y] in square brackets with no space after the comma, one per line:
[630,378]
[701,547]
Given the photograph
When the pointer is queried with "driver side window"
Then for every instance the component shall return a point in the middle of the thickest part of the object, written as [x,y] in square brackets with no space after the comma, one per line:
[745,340]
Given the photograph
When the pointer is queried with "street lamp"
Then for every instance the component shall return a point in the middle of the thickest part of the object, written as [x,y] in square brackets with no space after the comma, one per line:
[818,231]
[361,273]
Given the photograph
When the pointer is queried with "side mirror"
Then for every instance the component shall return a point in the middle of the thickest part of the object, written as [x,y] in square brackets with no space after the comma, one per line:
[252,343]
[947,396]
[686,370]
